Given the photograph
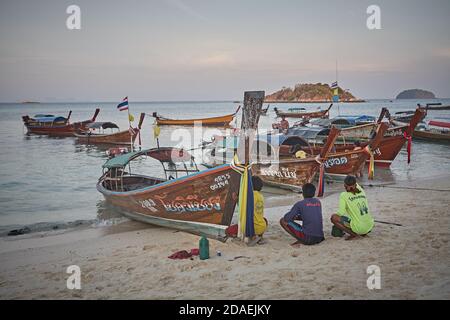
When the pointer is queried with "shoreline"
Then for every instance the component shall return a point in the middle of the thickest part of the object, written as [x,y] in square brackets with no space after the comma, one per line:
[318,101]
[129,260]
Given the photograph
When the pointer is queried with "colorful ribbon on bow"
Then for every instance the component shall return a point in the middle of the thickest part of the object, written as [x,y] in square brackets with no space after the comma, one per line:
[321,185]
[408,147]
[371,172]
[246,200]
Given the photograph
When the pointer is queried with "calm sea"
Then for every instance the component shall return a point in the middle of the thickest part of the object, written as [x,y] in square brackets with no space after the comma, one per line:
[47,182]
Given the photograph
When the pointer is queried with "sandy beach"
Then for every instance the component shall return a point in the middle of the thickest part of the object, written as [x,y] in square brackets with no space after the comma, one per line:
[130,260]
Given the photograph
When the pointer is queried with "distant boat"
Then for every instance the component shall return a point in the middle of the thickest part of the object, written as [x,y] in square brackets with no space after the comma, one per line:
[304,114]
[436,131]
[29,102]
[125,137]
[221,121]
[48,124]
[435,106]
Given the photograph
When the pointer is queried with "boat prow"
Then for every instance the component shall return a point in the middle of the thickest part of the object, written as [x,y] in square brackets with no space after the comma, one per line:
[199,201]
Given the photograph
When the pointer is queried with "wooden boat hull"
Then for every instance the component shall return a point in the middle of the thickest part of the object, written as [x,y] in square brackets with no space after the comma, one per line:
[307,115]
[431,136]
[57,129]
[208,197]
[384,154]
[318,114]
[117,138]
[289,174]
[60,131]
[436,108]
[222,121]
[345,163]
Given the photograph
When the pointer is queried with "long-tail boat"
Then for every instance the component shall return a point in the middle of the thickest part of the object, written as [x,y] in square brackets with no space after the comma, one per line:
[187,199]
[125,137]
[290,172]
[435,131]
[270,162]
[435,106]
[46,124]
[221,121]
[337,163]
[387,149]
[304,114]
[340,163]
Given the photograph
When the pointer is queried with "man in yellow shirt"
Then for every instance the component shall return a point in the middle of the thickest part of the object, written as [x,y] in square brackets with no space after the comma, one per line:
[260,222]
[353,216]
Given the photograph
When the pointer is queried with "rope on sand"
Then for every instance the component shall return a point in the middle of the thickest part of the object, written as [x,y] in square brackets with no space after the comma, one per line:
[385,222]
[409,188]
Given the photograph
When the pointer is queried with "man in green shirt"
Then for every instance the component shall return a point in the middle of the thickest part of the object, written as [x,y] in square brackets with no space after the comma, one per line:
[353,216]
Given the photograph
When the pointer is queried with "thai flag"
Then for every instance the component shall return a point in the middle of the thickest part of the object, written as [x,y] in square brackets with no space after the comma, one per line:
[123,105]
[334,85]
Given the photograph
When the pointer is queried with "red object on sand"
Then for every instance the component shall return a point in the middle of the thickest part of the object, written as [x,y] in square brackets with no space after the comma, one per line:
[232,231]
[183,254]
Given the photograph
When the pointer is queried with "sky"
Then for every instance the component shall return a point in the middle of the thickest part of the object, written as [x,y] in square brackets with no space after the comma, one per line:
[179,50]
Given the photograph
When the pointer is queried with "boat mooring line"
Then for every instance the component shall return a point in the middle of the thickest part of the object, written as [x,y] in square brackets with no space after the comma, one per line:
[408,188]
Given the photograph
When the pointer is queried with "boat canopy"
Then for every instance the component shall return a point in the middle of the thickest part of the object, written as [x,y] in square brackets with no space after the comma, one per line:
[296,109]
[275,140]
[352,120]
[103,125]
[164,155]
[309,133]
[343,121]
[49,118]
[43,115]
[279,139]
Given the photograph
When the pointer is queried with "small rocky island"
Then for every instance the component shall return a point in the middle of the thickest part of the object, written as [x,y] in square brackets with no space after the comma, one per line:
[415,94]
[308,92]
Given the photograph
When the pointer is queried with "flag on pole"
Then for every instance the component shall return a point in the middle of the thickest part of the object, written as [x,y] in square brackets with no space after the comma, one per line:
[334,86]
[130,117]
[123,105]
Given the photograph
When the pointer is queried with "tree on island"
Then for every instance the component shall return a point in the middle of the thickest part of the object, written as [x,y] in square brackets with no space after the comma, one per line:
[308,92]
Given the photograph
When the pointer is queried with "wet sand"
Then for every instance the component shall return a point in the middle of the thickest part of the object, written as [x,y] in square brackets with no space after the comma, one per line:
[130,260]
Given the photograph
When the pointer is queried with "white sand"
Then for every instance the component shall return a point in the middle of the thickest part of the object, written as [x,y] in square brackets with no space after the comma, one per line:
[130,261]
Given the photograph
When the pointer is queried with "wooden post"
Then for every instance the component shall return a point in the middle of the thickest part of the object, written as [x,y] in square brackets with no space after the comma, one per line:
[253,101]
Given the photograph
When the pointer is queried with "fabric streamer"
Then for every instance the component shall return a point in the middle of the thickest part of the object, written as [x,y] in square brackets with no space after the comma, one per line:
[156,130]
[371,163]
[408,148]
[246,200]
[321,186]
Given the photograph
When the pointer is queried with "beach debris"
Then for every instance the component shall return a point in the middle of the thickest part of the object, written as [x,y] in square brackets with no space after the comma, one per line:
[183,254]
[239,257]
[391,223]
[17,232]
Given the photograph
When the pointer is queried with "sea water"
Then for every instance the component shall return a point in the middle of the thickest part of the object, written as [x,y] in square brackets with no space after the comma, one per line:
[48,183]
